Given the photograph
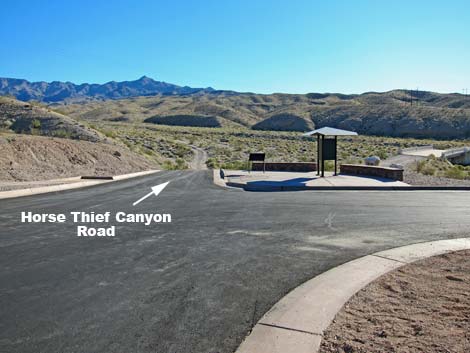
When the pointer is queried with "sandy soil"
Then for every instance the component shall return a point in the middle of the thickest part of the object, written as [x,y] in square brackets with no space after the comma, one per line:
[422,307]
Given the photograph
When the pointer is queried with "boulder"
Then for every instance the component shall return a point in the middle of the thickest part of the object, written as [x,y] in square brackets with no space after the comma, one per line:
[372,160]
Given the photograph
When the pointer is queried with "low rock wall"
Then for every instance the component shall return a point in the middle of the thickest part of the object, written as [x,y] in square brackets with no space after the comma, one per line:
[285,167]
[368,170]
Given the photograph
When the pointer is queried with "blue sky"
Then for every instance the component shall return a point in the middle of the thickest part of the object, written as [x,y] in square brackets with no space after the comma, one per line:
[259,46]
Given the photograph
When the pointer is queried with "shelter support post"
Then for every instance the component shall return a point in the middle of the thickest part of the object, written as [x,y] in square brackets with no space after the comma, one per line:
[336,154]
[322,159]
[318,154]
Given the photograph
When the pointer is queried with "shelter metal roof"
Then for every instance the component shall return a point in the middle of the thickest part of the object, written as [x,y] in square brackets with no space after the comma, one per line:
[330,131]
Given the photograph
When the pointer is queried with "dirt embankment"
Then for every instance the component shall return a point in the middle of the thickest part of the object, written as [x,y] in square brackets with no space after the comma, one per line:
[31,119]
[30,158]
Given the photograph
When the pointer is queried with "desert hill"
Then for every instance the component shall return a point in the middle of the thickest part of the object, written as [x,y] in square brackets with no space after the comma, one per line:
[29,158]
[29,118]
[429,115]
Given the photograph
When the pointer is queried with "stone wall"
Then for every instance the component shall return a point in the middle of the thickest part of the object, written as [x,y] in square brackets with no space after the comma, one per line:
[285,167]
[368,170]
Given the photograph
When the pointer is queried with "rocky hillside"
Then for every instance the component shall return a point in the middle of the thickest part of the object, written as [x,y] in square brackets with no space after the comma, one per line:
[28,118]
[67,91]
[396,113]
[28,158]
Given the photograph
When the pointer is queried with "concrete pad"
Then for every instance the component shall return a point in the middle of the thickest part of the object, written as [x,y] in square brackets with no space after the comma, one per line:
[353,180]
[415,252]
[312,306]
[266,339]
[305,180]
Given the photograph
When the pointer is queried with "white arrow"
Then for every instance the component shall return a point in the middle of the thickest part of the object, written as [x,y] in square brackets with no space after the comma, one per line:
[155,191]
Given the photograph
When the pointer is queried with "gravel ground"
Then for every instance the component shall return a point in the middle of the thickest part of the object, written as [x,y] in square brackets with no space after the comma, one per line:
[422,307]
[414,178]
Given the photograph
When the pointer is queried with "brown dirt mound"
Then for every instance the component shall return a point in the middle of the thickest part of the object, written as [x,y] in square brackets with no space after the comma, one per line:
[422,307]
[30,158]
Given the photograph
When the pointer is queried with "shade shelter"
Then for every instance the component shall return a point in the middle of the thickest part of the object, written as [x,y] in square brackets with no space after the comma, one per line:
[326,147]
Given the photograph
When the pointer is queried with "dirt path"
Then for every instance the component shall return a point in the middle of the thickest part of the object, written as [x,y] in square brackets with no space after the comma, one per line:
[422,307]
[402,159]
[199,160]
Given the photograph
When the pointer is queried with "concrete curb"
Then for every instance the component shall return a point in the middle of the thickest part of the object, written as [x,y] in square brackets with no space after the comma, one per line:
[217,179]
[296,323]
[70,186]
[272,188]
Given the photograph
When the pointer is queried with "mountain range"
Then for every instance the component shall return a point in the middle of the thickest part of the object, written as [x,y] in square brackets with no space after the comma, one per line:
[398,113]
[56,91]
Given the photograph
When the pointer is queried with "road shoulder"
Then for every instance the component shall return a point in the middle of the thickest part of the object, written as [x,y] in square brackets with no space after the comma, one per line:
[80,183]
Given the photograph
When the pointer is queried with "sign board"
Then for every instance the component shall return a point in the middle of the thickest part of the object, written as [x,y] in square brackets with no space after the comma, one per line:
[329,149]
[257,157]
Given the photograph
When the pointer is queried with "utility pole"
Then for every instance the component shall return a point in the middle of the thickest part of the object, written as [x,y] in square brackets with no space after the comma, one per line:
[411,97]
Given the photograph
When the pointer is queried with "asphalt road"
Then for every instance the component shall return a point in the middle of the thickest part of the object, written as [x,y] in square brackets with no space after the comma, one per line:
[197,284]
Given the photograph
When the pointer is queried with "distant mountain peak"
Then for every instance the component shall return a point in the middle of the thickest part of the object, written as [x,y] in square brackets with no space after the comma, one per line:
[145,79]
[57,91]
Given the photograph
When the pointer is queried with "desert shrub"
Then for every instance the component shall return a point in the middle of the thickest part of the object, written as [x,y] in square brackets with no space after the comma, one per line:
[168,165]
[235,165]
[181,164]
[147,151]
[109,133]
[61,133]
[330,166]
[177,165]
[420,166]
[36,124]
[382,154]
[456,172]
[428,170]
[212,163]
